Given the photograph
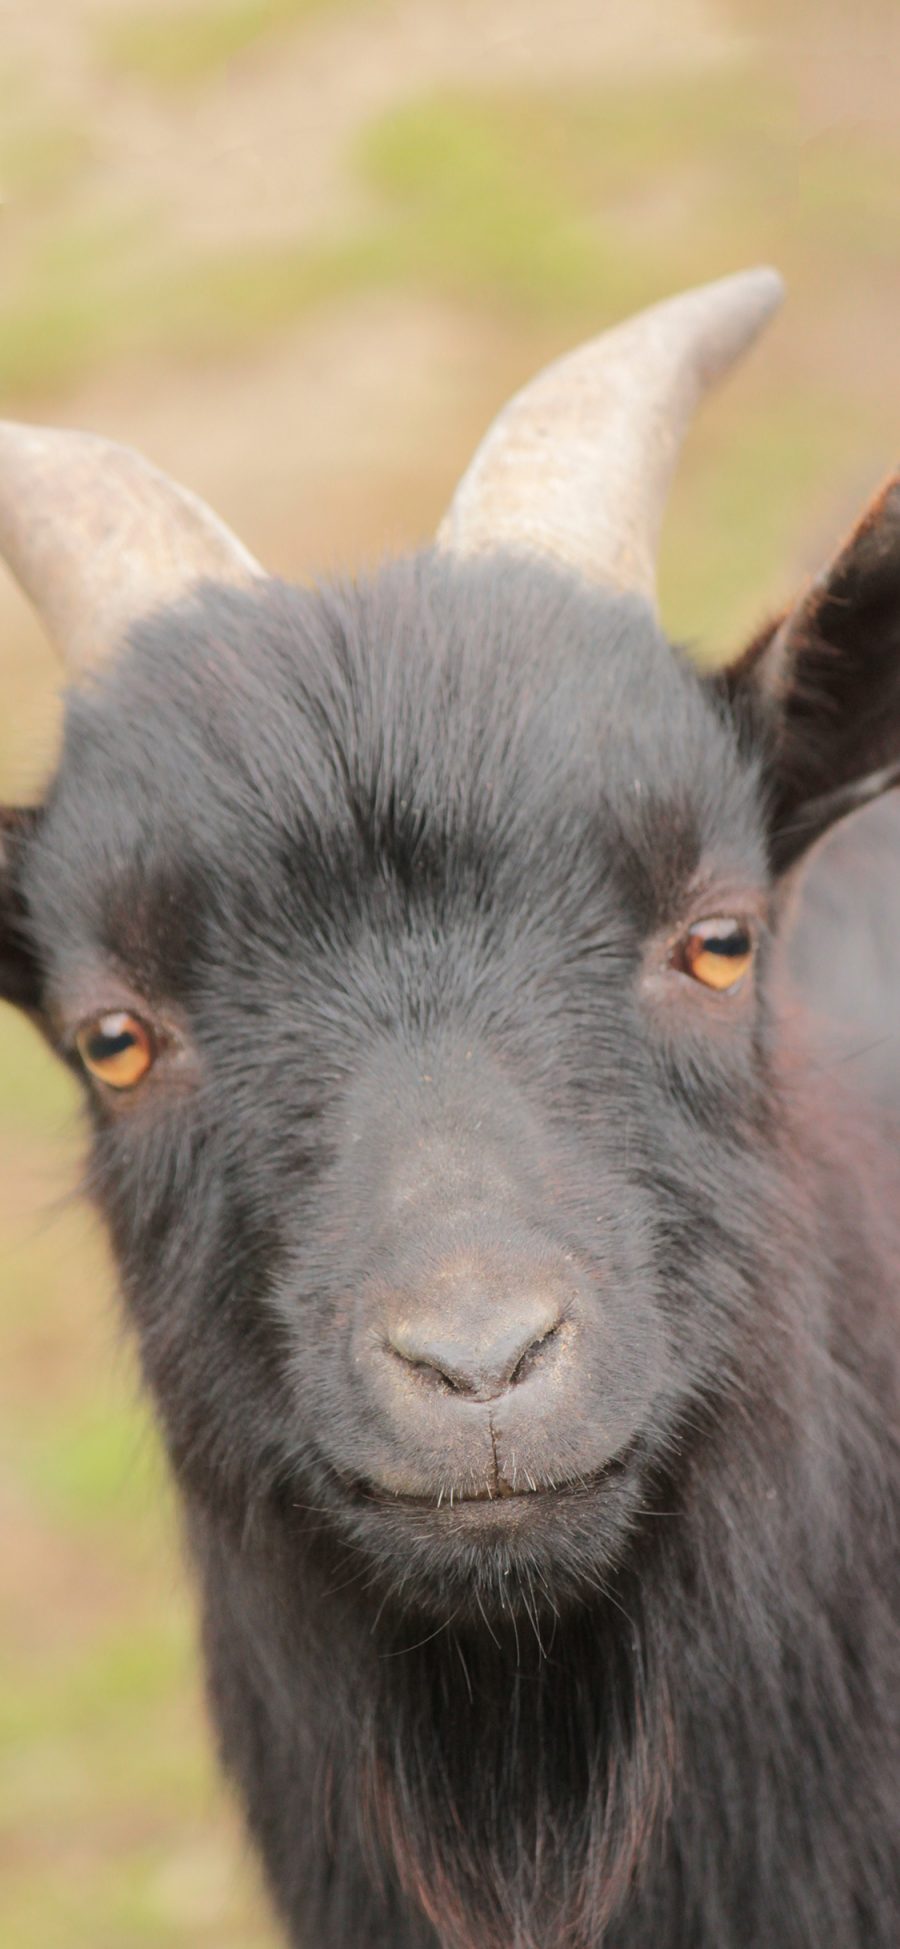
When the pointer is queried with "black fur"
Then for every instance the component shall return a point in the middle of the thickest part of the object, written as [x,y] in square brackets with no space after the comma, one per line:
[401,864]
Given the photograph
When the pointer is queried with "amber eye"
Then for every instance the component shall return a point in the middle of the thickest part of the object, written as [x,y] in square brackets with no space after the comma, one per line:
[717,952]
[117,1049]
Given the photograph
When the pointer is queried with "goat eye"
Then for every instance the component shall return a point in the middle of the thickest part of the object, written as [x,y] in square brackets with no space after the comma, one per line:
[117,1049]
[717,952]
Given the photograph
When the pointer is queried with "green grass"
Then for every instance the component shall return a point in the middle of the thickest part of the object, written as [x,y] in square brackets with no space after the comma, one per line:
[476,205]
[173,49]
[37,1095]
[555,210]
[86,1689]
[108,293]
[742,505]
[551,199]
[107,1740]
[39,159]
[85,299]
[97,1468]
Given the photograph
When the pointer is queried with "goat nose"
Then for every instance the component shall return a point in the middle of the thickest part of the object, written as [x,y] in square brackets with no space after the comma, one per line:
[487,1357]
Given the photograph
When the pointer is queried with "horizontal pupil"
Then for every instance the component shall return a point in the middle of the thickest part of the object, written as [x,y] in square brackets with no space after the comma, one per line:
[736,945]
[105,1048]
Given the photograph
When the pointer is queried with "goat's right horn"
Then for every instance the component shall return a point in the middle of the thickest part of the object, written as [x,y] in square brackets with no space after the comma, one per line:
[577,467]
[98,537]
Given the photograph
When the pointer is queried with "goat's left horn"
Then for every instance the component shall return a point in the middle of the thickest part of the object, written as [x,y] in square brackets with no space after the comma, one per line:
[98,537]
[577,467]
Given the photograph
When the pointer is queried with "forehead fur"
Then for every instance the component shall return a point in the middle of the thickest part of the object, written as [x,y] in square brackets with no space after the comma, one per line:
[443,723]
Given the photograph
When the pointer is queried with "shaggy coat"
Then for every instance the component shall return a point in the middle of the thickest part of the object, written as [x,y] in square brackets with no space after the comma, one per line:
[403,869]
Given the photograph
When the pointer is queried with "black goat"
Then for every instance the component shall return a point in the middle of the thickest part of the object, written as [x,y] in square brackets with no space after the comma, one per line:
[513,1263]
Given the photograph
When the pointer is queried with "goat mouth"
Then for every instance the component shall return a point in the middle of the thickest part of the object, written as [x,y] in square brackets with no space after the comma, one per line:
[500,1496]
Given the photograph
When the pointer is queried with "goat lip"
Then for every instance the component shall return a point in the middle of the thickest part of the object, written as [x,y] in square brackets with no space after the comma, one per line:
[487,1501]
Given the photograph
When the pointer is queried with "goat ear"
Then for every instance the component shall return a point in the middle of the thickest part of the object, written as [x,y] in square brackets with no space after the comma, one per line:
[827,680]
[19,975]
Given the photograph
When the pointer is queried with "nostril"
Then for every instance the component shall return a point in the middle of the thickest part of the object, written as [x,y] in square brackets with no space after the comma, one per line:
[534,1354]
[481,1357]
[434,1375]
[438,1365]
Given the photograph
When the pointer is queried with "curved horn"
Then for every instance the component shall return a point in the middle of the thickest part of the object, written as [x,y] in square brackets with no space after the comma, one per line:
[578,465]
[98,537]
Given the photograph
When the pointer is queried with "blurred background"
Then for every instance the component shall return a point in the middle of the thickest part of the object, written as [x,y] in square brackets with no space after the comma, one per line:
[299,251]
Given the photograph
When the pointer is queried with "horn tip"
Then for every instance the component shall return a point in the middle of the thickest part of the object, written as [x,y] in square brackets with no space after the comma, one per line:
[768,279]
[757,293]
[720,321]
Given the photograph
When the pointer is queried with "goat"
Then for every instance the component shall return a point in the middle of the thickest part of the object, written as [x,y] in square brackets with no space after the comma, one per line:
[513,1263]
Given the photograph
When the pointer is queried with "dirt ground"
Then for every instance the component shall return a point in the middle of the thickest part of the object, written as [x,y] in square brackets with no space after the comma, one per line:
[298,251]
